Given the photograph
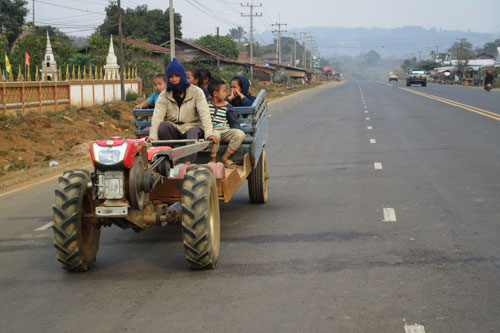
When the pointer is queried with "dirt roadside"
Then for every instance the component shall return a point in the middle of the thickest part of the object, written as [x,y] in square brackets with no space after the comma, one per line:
[37,147]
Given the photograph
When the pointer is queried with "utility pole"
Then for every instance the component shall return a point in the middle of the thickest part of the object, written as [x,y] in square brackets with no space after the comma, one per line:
[310,39]
[279,31]
[251,6]
[419,56]
[294,54]
[33,15]
[218,58]
[172,31]
[122,80]
[304,34]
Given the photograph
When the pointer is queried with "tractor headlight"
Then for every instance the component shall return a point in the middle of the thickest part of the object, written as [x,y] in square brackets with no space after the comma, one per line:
[109,155]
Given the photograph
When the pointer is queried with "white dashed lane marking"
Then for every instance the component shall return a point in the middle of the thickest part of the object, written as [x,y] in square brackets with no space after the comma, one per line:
[367,118]
[377,165]
[44,227]
[373,141]
[415,328]
[369,127]
[389,215]
[365,106]
[366,111]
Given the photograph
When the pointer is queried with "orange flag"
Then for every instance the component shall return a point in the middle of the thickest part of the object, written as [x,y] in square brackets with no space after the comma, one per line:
[27,57]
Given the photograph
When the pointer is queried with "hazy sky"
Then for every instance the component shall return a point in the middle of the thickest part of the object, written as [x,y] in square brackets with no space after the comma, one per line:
[81,16]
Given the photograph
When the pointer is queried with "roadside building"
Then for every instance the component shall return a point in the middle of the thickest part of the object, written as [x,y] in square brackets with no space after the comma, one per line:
[144,50]
[188,51]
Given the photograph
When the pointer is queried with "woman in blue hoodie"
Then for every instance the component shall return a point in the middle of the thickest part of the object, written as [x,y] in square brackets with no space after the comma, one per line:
[181,111]
[240,95]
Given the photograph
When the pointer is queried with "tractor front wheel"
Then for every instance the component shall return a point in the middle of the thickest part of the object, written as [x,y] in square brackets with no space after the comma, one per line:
[200,217]
[257,181]
[76,234]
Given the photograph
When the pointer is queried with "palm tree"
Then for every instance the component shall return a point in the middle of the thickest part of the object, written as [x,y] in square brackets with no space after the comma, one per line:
[78,59]
[237,33]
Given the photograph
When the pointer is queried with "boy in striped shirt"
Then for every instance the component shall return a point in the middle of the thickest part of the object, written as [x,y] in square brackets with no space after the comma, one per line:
[225,123]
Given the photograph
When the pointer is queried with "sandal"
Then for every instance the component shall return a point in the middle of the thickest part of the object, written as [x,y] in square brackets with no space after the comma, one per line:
[230,164]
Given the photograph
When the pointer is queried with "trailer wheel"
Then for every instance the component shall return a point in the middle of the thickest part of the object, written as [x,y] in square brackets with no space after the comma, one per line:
[200,217]
[257,181]
[76,234]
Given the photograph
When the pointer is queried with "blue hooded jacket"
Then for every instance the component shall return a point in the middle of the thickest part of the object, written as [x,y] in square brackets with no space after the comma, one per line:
[176,68]
[245,86]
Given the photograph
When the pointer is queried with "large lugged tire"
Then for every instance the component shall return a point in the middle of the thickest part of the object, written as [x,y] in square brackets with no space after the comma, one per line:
[76,235]
[200,217]
[257,181]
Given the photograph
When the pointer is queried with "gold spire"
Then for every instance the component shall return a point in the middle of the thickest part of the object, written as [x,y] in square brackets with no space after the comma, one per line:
[67,72]
[37,78]
[59,74]
[79,77]
[20,74]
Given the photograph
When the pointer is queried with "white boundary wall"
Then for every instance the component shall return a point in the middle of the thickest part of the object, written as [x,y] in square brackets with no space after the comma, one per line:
[88,93]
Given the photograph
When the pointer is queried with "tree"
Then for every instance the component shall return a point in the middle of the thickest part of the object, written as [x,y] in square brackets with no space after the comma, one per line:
[237,34]
[408,63]
[12,17]
[427,65]
[490,47]
[227,46]
[78,59]
[54,33]
[371,58]
[98,48]
[462,52]
[36,46]
[140,23]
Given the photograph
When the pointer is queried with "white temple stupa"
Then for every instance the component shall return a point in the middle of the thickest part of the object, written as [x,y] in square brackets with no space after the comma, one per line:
[49,66]
[111,69]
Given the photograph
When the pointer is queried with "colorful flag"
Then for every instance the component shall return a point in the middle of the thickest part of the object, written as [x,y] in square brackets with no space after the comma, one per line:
[7,64]
[27,57]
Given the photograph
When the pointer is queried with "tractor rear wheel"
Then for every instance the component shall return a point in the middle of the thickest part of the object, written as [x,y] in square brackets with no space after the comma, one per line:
[76,234]
[200,217]
[257,181]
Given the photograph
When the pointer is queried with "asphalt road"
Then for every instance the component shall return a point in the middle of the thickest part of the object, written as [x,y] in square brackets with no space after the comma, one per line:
[384,216]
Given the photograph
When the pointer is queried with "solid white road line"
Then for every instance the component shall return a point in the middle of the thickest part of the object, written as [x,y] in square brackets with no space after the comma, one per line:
[373,141]
[389,215]
[415,328]
[44,227]
[377,165]
[369,127]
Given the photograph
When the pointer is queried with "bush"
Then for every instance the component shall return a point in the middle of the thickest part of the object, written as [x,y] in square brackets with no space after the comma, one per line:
[132,96]
[113,113]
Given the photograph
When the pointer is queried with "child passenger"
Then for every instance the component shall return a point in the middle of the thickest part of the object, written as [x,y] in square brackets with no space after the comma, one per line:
[225,123]
[159,84]
[194,77]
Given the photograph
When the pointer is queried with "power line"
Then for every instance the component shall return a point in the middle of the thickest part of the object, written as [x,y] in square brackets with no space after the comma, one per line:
[279,31]
[211,14]
[78,9]
[251,15]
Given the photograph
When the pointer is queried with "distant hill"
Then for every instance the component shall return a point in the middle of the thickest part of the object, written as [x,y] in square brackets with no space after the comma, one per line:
[388,42]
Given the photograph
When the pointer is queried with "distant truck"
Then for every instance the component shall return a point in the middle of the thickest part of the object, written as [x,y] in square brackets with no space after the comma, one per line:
[393,76]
